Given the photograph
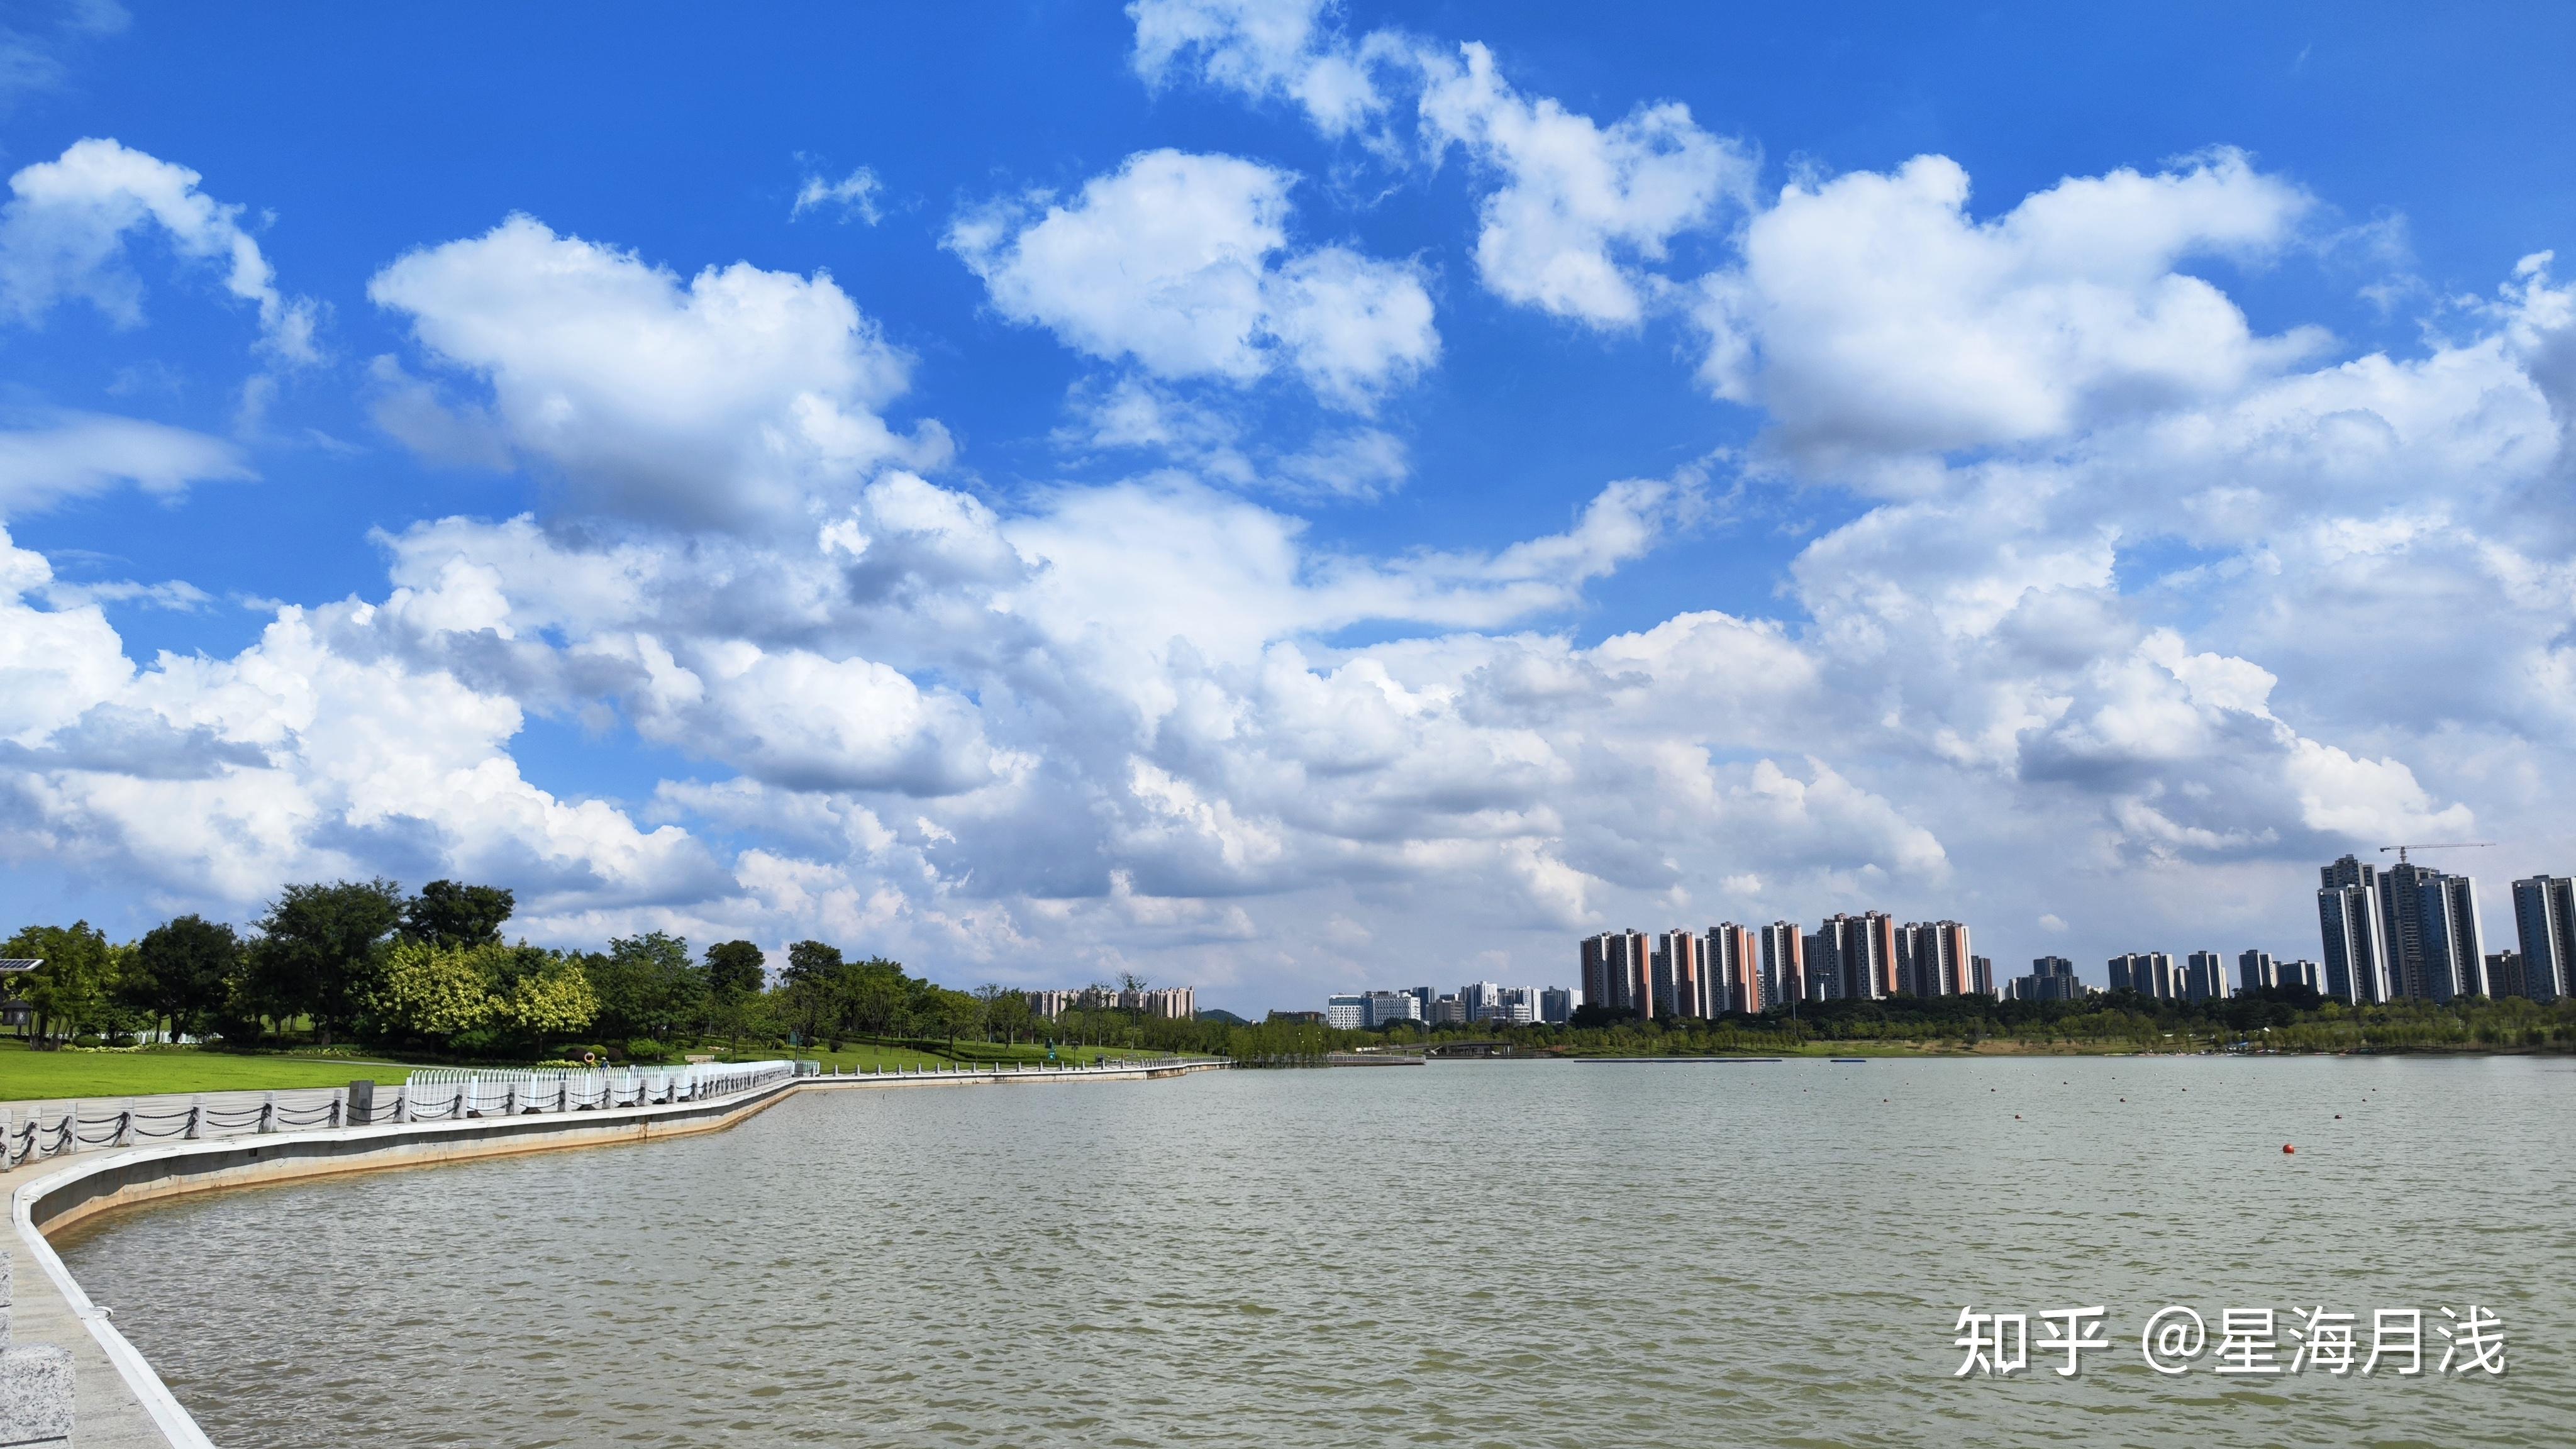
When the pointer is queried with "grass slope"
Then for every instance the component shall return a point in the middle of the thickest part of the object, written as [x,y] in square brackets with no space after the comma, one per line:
[45,1076]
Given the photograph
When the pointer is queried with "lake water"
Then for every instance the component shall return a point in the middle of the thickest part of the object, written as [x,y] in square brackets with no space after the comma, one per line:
[1482,1254]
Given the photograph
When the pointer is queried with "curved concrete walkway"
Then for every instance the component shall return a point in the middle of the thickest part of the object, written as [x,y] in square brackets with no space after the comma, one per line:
[119,1402]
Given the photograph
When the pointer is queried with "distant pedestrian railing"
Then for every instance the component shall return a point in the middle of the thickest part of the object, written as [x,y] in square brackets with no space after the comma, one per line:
[436,1094]
[452,1094]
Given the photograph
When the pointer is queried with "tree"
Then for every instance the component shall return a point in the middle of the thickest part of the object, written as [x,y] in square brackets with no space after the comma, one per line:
[182,970]
[428,992]
[735,969]
[1006,1013]
[508,996]
[875,999]
[735,974]
[318,950]
[552,999]
[76,987]
[813,986]
[948,1013]
[646,987]
[449,913]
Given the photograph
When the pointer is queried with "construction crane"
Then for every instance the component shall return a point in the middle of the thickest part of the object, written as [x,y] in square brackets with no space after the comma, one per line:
[2451,845]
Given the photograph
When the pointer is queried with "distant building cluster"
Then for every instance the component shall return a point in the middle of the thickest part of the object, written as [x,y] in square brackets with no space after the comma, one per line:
[1172,1003]
[1482,1001]
[2405,932]
[1751,969]
[2402,932]
[2410,932]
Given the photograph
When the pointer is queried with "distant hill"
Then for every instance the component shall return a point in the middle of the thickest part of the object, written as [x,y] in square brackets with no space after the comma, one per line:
[1228,1017]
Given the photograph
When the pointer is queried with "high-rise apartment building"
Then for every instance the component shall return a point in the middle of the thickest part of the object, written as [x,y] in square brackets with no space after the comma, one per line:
[2302,972]
[2429,921]
[1618,970]
[2355,938]
[2148,973]
[1556,1005]
[1864,948]
[1823,952]
[2255,971]
[2051,978]
[1981,974]
[1678,989]
[1347,1011]
[1732,971]
[2204,977]
[1933,959]
[2504,974]
[1784,963]
[2544,920]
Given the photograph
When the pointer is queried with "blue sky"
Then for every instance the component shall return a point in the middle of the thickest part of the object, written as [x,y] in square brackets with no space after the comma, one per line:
[1608,465]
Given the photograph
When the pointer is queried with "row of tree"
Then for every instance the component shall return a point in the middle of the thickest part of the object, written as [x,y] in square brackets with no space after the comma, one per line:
[360,960]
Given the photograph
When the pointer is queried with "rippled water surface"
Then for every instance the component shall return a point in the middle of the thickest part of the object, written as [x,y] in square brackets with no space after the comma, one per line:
[1546,1254]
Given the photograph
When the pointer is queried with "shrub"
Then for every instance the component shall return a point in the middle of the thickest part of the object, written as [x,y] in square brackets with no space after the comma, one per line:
[87,1039]
[645,1049]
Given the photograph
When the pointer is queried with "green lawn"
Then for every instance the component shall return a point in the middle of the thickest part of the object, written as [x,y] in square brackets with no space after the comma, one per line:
[33,1075]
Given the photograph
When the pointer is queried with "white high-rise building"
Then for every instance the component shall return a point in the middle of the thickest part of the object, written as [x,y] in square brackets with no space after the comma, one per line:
[2355,961]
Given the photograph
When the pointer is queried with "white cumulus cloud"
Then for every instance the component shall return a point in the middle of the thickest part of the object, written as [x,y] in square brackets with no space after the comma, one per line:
[1873,315]
[63,236]
[725,398]
[1183,264]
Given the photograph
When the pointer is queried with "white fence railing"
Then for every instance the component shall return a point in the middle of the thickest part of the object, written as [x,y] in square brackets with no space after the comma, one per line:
[83,1126]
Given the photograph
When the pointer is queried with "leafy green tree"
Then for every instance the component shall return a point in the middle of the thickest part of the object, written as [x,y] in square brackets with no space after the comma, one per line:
[182,971]
[1006,1013]
[950,1014]
[547,996]
[736,972]
[736,969]
[479,997]
[75,990]
[450,913]
[873,1003]
[319,947]
[646,987]
[809,994]
[429,993]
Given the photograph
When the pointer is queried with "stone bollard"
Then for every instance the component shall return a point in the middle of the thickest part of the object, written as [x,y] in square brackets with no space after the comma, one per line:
[268,1112]
[196,1117]
[362,1105]
[35,1386]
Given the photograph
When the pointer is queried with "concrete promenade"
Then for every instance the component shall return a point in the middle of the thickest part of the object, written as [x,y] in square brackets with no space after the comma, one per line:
[120,1403]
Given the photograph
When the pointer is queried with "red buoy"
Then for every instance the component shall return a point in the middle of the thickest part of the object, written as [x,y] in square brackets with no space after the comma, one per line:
[2286,1147]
